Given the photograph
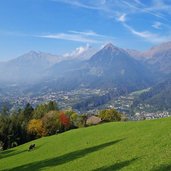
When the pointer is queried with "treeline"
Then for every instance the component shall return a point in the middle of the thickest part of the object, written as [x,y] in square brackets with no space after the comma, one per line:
[27,124]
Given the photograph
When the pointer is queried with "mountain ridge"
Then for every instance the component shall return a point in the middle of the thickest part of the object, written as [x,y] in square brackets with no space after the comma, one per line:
[110,66]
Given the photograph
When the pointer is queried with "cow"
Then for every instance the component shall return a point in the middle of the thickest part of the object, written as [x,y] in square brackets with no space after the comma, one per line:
[31,147]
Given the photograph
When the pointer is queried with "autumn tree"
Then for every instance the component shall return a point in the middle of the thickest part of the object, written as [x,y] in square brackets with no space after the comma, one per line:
[35,128]
[73,117]
[51,122]
[64,121]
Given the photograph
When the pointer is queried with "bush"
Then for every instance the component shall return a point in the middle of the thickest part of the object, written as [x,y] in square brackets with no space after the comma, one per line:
[108,115]
[51,122]
[35,128]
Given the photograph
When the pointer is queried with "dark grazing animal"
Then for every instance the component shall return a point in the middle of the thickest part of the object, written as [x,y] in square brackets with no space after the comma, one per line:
[32,146]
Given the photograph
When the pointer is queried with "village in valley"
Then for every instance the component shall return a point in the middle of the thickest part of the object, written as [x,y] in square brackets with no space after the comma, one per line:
[70,99]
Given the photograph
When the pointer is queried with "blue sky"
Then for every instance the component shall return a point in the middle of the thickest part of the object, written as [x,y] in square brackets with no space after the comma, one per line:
[60,26]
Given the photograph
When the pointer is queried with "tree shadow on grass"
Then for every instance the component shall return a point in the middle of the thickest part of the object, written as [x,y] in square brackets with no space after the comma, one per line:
[163,167]
[13,152]
[116,166]
[10,153]
[62,159]
[6,152]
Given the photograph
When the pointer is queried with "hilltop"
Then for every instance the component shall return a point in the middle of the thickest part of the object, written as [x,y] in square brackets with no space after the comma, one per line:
[143,145]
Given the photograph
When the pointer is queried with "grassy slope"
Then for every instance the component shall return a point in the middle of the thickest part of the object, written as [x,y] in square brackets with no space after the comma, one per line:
[134,146]
[139,92]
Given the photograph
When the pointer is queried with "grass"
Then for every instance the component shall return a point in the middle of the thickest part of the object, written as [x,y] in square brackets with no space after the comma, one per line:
[139,92]
[126,146]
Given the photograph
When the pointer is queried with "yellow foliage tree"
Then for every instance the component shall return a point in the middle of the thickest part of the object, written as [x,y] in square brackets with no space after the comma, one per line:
[35,127]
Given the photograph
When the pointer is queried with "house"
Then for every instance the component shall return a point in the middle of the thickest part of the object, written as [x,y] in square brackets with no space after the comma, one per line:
[93,120]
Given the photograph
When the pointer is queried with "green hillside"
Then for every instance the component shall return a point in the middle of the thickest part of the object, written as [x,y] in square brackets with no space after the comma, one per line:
[158,96]
[134,146]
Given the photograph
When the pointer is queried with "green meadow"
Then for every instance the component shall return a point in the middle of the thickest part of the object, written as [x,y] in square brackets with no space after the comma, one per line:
[125,146]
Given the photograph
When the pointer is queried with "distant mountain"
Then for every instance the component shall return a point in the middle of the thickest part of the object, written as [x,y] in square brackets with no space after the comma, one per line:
[159,57]
[63,68]
[138,55]
[110,67]
[159,96]
[114,66]
[27,68]
[152,52]
[34,58]
[35,66]
[118,71]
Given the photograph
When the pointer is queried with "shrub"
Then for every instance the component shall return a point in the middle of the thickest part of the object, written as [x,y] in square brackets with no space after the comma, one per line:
[51,122]
[110,115]
[35,128]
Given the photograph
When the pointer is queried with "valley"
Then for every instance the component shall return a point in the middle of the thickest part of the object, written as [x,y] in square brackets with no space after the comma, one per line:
[89,101]
[111,78]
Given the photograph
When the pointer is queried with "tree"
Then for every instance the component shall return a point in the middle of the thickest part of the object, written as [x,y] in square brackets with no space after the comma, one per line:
[9,131]
[22,120]
[110,115]
[4,131]
[35,128]
[51,122]
[82,120]
[5,110]
[42,109]
[28,111]
[73,117]
[52,105]
[64,121]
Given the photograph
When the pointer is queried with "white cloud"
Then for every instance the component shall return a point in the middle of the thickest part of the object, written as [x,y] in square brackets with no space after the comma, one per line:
[160,6]
[95,5]
[141,8]
[144,34]
[139,2]
[120,9]
[82,53]
[122,18]
[71,37]
[78,36]
[77,51]
[157,25]
[148,36]
[87,33]
[112,7]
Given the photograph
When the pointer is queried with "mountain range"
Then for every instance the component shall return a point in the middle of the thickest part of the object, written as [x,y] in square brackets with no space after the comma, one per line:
[108,68]
[32,67]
